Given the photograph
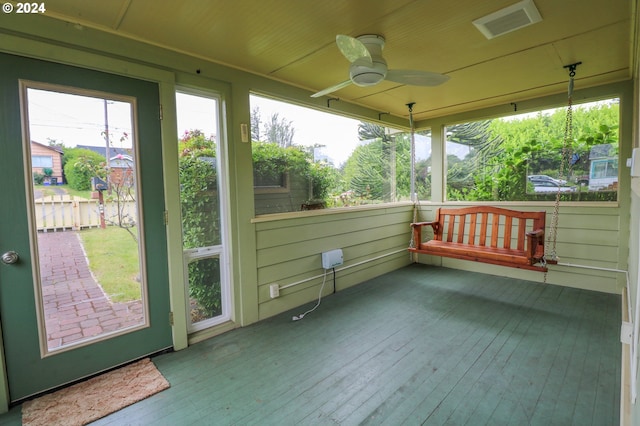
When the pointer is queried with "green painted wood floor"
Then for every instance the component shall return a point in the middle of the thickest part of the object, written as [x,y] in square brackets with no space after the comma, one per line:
[421,345]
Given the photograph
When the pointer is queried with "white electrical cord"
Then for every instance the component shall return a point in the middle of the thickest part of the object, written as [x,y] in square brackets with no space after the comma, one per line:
[324,280]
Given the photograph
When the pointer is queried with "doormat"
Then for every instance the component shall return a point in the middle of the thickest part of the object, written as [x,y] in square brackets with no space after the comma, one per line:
[95,398]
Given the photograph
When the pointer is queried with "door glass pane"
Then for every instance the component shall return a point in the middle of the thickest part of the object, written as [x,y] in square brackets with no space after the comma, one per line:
[200,196]
[205,301]
[85,215]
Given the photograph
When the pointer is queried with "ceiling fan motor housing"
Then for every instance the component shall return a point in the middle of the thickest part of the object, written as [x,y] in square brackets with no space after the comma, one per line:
[364,74]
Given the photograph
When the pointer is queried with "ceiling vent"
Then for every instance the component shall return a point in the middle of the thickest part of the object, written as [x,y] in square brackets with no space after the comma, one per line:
[509,19]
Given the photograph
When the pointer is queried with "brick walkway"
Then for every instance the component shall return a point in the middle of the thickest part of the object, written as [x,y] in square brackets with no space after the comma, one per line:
[75,306]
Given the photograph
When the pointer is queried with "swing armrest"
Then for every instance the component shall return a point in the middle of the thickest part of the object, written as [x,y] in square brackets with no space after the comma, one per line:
[417,231]
[434,225]
[535,244]
[537,233]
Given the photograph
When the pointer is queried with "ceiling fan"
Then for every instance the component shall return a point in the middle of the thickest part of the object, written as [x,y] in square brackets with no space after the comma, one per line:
[369,68]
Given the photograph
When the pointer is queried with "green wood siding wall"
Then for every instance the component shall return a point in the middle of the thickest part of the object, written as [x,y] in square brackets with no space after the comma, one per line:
[289,250]
[588,236]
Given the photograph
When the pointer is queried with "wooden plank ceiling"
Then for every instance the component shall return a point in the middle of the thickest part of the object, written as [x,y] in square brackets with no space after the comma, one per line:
[294,42]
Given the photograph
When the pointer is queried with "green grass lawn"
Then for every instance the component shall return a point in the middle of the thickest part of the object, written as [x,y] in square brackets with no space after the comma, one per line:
[76,193]
[113,259]
[48,190]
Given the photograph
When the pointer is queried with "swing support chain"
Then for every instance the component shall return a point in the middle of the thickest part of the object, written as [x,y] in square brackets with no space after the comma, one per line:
[566,155]
[414,196]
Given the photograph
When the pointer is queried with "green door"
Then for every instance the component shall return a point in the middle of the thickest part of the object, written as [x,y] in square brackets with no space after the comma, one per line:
[89,290]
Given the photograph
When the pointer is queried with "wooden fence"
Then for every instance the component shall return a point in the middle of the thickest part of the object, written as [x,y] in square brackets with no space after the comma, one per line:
[58,212]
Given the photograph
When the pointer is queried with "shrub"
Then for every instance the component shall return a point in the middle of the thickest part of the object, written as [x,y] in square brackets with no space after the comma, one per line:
[38,178]
[323,177]
[271,161]
[200,217]
[80,166]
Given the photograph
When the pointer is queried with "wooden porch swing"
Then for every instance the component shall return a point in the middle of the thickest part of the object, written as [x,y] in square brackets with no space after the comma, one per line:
[485,234]
[490,234]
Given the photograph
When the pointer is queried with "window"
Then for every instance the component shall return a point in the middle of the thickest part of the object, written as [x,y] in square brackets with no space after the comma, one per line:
[202,198]
[306,159]
[521,157]
[41,161]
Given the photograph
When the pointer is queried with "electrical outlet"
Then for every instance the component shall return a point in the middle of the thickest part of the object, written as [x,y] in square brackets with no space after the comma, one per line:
[274,290]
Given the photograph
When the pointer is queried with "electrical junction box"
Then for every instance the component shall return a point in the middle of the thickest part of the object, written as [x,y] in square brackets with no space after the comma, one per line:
[331,259]
[626,332]
[635,163]
[274,290]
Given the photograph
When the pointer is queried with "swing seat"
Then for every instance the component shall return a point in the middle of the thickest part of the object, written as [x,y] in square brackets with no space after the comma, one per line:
[485,234]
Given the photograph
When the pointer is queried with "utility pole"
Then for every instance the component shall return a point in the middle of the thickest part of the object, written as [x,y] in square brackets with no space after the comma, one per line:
[106,140]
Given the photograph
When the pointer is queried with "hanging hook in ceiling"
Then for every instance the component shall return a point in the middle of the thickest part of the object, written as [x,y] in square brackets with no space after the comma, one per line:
[572,74]
[410,106]
[572,68]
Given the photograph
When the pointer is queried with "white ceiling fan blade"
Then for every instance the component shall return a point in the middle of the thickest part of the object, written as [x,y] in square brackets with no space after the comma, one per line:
[331,89]
[352,48]
[416,78]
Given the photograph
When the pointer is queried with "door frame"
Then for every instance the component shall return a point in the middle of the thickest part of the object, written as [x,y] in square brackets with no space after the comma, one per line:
[166,81]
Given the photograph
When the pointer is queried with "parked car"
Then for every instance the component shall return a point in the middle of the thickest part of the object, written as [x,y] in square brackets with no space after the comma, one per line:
[544,178]
[547,186]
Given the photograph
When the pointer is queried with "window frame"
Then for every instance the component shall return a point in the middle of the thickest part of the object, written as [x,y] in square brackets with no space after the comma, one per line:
[40,157]
[274,189]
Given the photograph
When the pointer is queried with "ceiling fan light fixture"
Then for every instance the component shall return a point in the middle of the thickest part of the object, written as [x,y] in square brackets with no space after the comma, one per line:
[511,18]
[367,78]
[363,74]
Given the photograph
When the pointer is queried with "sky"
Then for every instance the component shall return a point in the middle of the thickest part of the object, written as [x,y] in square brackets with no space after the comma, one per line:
[80,120]
[77,120]
[196,112]
[339,134]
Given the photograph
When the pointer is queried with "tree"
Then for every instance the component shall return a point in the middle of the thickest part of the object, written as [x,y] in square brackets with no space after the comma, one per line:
[54,143]
[256,123]
[504,152]
[279,130]
[121,181]
[379,169]
[370,131]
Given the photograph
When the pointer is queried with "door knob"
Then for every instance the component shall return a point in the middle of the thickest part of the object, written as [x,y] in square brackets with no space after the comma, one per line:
[10,257]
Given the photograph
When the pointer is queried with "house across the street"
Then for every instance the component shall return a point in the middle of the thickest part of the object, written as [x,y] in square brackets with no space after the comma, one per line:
[47,160]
